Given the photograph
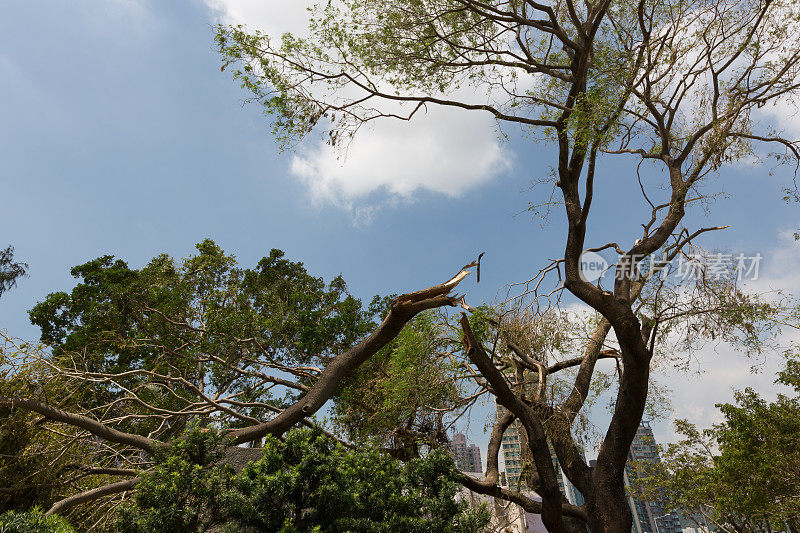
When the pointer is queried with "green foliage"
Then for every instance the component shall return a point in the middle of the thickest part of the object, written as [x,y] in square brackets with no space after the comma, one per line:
[310,481]
[307,482]
[394,42]
[431,49]
[187,489]
[276,301]
[743,472]
[413,47]
[392,398]
[33,521]
[403,396]
[28,477]
[142,348]
[205,322]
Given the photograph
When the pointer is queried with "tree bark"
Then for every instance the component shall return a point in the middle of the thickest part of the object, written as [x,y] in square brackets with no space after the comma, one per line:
[90,495]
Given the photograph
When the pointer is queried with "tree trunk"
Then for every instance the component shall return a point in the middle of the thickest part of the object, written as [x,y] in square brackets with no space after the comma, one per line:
[607,506]
[575,525]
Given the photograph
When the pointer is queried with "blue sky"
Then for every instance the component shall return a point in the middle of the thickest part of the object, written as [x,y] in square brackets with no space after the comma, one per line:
[120,135]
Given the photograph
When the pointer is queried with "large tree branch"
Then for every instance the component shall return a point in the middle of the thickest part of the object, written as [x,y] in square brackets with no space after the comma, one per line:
[402,311]
[90,495]
[551,495]
[495,442]
[530,505]
[92,426]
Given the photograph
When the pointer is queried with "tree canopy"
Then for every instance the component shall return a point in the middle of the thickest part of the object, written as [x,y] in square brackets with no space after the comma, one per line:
[134,356]
[742,474]
[306,482]
[204,330]
[33,522]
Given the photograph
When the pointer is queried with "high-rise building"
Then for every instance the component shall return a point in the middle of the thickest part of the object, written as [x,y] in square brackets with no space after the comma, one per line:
[512,456]
[466,457]
[648,516]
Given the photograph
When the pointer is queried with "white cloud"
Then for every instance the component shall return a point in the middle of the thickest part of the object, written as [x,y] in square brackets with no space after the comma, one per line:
[721,368]
[780,266]
[785,114]
[445,151]
[273,16]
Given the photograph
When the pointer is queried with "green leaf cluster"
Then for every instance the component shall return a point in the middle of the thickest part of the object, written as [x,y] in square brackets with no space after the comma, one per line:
[186,490]
[743,473]
[197,320]
[306,482]
[33,521]
[392,399]
[33,463]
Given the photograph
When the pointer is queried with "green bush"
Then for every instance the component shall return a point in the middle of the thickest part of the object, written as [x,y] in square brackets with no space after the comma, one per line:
[33,522]
[306,483]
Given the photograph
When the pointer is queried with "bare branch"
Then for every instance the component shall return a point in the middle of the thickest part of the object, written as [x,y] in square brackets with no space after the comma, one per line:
[84,497]
[92,426]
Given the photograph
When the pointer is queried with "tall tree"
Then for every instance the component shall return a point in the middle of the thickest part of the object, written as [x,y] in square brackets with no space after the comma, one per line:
[742,474]
[134,355]
[672,84]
